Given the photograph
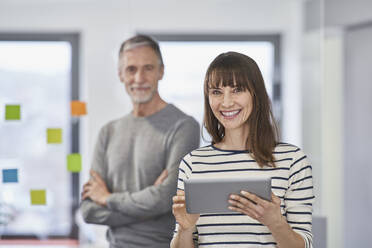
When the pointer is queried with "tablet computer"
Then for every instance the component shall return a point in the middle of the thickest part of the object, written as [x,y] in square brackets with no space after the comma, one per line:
[211,195]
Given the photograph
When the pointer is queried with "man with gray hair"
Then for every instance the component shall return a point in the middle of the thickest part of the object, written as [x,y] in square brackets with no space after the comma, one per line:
[135,163]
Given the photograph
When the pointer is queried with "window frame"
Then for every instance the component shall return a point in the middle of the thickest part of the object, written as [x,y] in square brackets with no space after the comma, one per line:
[74,40]
[274,39]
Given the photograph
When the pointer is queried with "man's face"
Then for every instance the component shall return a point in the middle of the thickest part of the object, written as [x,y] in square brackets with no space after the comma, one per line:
[140,71]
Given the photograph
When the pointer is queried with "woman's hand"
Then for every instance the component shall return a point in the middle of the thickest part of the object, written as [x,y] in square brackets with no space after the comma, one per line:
[266,212]
[185,221]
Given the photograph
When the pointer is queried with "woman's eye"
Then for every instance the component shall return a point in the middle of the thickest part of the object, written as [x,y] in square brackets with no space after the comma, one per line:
[237,90]
[215,92]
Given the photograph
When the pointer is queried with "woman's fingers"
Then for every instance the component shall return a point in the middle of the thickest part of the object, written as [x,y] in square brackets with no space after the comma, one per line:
[275,199]
[185,220]
[248,204]
[180,192]
[254,198]
[243,202]
[236,202]
[245,211]
[255,207]
[178,198]
[177,207]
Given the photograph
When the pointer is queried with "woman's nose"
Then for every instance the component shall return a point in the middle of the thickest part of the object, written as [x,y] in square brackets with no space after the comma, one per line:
[227,100]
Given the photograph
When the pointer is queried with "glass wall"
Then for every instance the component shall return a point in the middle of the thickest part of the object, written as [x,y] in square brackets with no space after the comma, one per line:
[186,63]
[35,95]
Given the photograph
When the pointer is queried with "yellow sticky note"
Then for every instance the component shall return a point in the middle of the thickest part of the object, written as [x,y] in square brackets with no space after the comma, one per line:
[38,197]
[74,162]
[54,135]
[78,108]
[12,112]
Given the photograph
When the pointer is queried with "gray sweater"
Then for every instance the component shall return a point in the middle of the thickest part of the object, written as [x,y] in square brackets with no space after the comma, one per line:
[130,154]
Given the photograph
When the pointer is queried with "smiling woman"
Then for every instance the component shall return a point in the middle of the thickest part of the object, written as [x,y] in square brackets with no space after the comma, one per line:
[237,115]
[231,106]
[188,56]
[236,101]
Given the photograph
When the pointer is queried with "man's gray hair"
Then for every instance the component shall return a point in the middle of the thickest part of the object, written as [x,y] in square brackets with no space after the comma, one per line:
[141,40]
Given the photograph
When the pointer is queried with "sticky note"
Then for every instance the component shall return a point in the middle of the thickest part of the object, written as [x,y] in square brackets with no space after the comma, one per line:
[12,112]
[10,175]
[38,196]
[78,108]
[54,135]
[74,162]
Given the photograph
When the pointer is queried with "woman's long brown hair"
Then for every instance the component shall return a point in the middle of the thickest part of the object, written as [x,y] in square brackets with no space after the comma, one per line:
[238,70]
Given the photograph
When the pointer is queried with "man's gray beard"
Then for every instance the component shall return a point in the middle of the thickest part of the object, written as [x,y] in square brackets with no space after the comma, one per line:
[138,100]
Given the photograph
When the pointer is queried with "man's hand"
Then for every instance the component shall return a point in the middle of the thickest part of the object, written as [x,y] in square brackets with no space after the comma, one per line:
[161,178]
[96,189]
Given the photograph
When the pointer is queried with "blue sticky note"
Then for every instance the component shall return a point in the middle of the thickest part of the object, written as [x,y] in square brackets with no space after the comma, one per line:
[10,175]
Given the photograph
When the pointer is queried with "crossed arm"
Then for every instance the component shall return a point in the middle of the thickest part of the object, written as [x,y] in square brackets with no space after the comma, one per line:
[97,191]
[94,205]
[100,206]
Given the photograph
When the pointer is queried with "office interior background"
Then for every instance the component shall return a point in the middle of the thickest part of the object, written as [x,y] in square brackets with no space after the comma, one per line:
[316,56]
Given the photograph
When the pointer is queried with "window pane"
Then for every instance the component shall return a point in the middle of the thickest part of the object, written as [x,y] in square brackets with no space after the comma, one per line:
[186,64]
[35,75]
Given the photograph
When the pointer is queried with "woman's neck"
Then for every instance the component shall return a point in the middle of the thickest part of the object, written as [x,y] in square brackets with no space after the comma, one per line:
[234,139]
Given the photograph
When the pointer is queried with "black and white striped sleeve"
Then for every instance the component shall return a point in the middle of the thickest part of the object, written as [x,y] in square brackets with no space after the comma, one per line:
[299,198]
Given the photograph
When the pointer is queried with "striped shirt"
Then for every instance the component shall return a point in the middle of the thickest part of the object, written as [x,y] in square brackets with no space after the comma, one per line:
[291,182]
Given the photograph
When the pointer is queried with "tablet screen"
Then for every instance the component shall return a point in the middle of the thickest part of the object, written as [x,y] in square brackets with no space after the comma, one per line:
[210,195]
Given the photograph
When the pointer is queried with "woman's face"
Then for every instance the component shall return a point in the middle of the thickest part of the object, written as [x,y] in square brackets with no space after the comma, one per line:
[231,106]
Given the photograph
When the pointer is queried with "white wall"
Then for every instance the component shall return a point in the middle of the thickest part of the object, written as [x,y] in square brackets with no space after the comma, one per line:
[322,80]
[357,136]
[103,25]
[326,23]
[332,126]
[340,13]
[311,107]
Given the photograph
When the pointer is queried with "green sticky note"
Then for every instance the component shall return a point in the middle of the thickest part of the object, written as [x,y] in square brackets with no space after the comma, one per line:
[54,135]
[38,197]
[12,112]
[74,162]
